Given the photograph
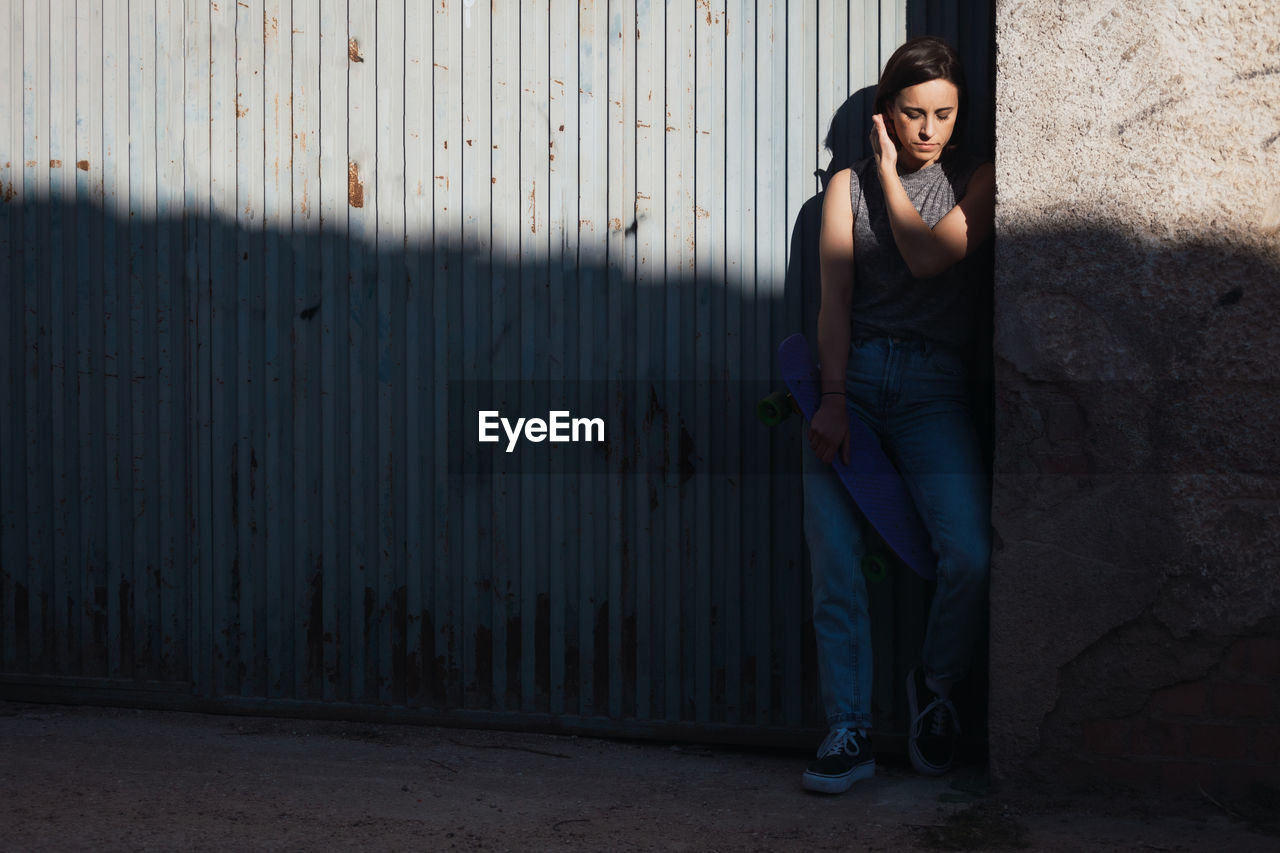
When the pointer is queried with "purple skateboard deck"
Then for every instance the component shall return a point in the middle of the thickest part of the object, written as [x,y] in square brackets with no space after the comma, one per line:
[870,477]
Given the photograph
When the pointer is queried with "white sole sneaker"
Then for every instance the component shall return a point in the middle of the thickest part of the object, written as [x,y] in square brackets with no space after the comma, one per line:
[826,784]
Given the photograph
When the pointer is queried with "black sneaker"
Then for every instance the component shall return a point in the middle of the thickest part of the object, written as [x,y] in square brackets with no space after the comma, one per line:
[844,758]
[934,726]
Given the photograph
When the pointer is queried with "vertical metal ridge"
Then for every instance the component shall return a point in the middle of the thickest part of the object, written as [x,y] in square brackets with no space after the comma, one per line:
[87,45]
[171,625]
[535,159]
[62,341]
[115,157]
[564,234]
[677,576]
[326,638]
[650,121]
[444,634]
[274,465]
[240,367]
[625,374]
[505,545]
[38,355]
[13,517]
[390,192]
[418,516]
[305,403]
[197,240]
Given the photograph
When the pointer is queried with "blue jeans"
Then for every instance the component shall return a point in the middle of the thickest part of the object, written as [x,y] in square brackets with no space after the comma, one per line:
[914,396]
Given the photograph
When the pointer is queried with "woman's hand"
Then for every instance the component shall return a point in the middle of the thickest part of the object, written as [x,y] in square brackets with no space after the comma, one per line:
[882,144]
[829,430]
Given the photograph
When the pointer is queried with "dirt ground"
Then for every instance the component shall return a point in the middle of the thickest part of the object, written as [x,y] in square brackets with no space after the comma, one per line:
[85,778]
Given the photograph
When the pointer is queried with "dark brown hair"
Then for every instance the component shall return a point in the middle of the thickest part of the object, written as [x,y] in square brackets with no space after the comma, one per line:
[919,61]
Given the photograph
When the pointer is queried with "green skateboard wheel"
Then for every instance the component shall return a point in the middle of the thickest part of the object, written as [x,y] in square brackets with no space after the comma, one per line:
[775,408]
[875,567]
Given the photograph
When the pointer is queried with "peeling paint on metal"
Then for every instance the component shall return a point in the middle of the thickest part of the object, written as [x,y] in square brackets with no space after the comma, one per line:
[355,188]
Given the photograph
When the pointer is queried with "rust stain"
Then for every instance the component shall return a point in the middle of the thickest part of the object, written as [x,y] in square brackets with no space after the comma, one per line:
[469,143]
[533,209]
[31,164]
[615,224]
[493,180]
[82,165]
[441,67]
[353,50]
[355,189]
[701,212]
[241,112]
[302,139]
[643,124]
[7,192]
[55,164]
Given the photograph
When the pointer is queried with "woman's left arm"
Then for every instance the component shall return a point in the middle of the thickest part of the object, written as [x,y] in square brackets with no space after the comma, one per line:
[930,251]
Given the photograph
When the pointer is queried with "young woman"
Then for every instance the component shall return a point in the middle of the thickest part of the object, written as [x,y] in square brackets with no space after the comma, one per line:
[895,313]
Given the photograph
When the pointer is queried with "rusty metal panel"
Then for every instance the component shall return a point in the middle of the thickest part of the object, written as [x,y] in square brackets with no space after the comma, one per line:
[247,334]
[93,458]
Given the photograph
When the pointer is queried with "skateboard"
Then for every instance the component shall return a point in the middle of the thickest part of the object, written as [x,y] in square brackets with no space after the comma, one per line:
[870,477]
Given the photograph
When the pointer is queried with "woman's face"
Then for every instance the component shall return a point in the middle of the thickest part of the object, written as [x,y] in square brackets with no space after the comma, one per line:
[921,120]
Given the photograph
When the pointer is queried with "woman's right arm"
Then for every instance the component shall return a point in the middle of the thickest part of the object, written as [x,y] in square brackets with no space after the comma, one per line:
[829,430]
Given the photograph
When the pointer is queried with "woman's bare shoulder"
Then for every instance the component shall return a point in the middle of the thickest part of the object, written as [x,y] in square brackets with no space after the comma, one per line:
[840,179]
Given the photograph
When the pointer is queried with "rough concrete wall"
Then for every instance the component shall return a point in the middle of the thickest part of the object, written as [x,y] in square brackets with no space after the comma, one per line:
[1137,487]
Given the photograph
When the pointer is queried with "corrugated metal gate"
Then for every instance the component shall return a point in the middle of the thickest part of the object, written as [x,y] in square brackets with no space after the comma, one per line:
[264,261]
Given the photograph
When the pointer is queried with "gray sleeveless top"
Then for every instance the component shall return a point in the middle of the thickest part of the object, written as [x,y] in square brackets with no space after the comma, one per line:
[887,301]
